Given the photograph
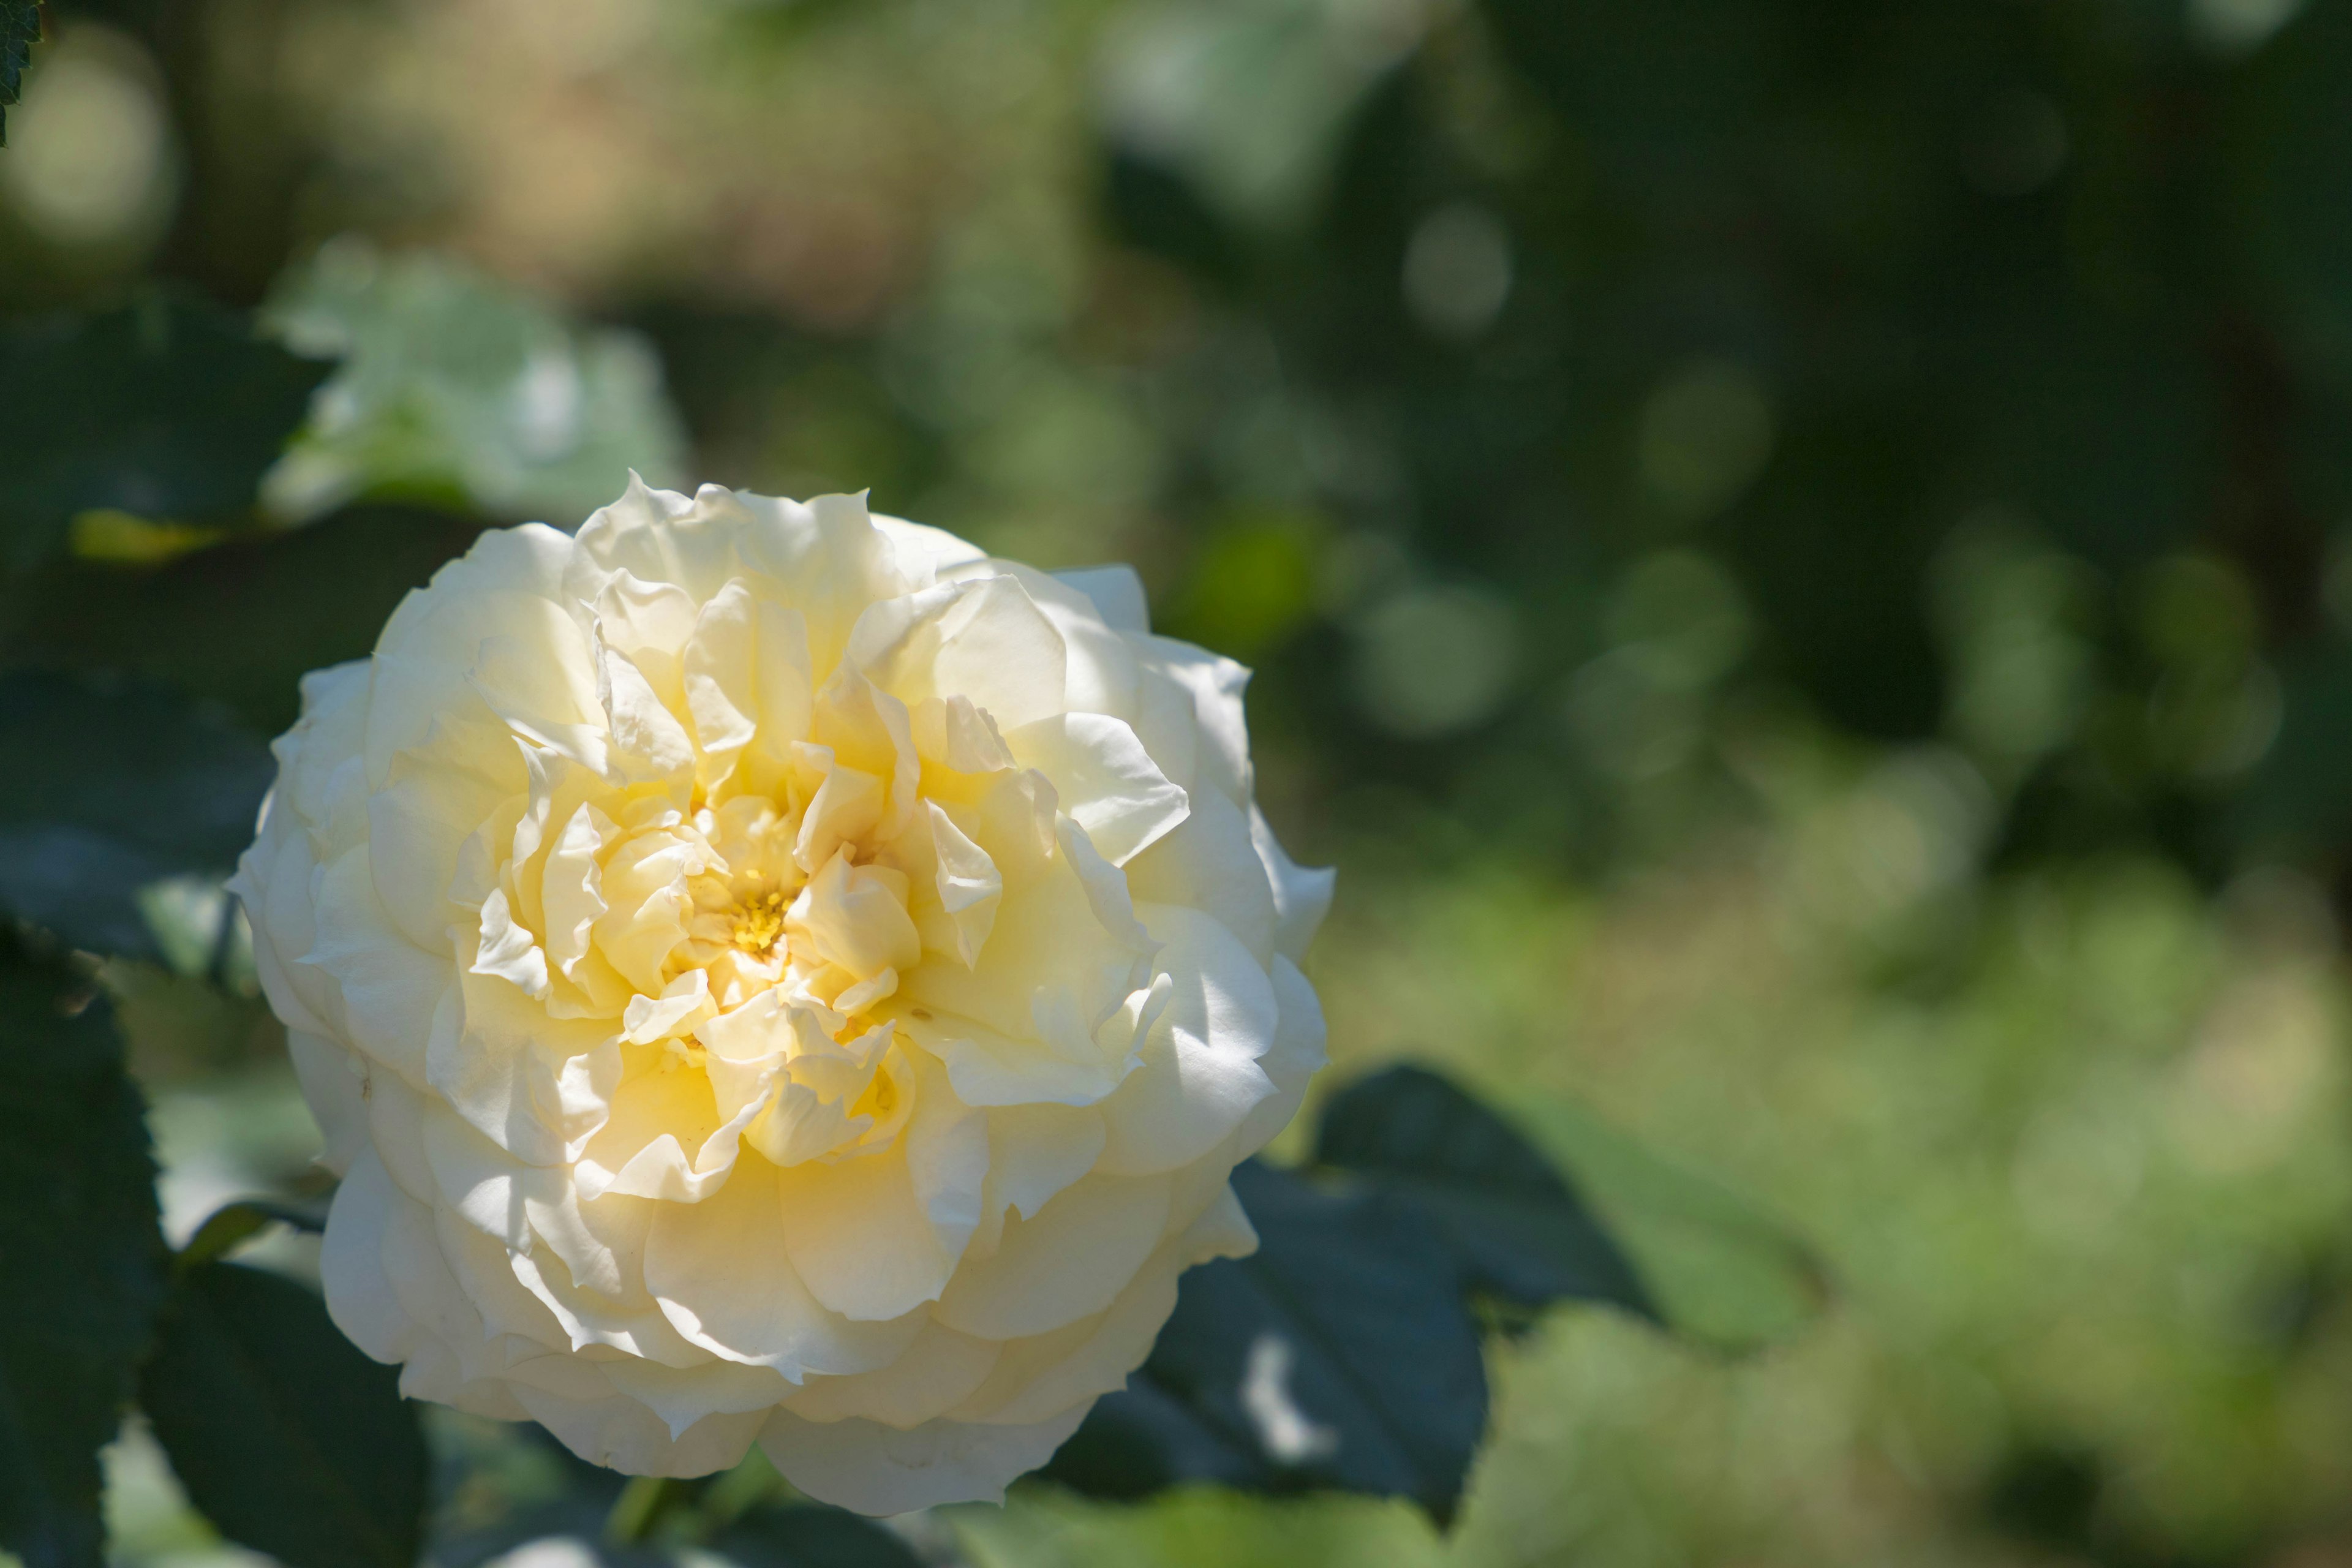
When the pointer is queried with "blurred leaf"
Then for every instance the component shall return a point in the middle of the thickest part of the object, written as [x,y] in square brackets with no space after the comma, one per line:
[81,1261]
[1337,1357]
[20,29]
[287,1437]
[298,602]
[1717,1269]
[233,1224]
[167,409]
[457,389]
[114,788]
[1249,103]
[812,1537]
[1516,1229]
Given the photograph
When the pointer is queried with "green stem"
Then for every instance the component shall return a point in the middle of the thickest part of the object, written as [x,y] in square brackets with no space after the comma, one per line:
[641,1503]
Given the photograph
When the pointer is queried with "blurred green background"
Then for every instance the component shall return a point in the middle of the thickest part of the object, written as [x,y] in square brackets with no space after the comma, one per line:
[1799,555]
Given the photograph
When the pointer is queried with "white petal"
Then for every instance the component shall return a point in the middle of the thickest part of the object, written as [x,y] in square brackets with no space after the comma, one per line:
[1070,1261]
[1200,1076]
[1301,897]
[876,1236]
[719,1270]
[876,1469]
[937,1371]
[1117,594]
[1105,778]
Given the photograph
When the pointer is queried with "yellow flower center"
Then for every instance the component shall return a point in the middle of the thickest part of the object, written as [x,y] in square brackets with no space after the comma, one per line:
[760,922]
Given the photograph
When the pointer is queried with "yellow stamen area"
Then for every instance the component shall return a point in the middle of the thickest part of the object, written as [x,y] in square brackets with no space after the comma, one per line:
[760,922]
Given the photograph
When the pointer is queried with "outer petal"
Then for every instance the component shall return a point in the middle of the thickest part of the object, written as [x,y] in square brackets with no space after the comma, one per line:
[720,1271]
[1200,1076]
[878,1469]
[1107,781]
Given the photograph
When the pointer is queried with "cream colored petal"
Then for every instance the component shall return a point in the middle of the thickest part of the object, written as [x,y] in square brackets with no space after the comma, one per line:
[876,1469]
[956,890]
[982,639]
[1209,863]
[719,1270]
[679,1397]
[1105,779]
[1116,593]
[846,808]
[830,553]
[647,736]
[416,827]
[620,1434]
[360,1295]
[868,729]
[937,1371]
[990,1068]
[1301,897]
[664,1139]
[330,1078]
[1297,1054]
[1036,1377]
[1069,1261]
[509,951]
[1221,758]
[855,917]
[539,1087]
[1200,1075]
[389,987]
[876,1236]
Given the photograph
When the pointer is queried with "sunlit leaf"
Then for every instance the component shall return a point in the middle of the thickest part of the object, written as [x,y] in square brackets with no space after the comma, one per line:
[231,1226]
[1719,1270]
[288,1439]
[167,409]
[81,1261]
[458,390]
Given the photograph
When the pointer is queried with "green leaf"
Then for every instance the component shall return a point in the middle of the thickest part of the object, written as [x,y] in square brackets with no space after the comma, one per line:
[1338,1357]
[298,601]
[457,389]
[1721,1270]
[233,1224]
[167,409]
[812,1537]
[20,29]
[1518,1230]
[114,788]
[287,1437]
[81,1261]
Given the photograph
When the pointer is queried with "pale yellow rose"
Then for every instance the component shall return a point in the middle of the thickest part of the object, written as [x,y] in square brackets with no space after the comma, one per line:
[768,973]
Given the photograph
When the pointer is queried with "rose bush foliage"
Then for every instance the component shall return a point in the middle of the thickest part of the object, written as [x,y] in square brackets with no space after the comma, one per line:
[770,973]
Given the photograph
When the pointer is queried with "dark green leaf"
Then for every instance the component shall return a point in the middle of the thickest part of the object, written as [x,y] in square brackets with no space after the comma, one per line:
[1338,1357]
[233,1224]
[81,1261]
[114,788]
[20,29]
[167,409]
[287,1437]
[1518,1230]
[812,1537]
[298,601]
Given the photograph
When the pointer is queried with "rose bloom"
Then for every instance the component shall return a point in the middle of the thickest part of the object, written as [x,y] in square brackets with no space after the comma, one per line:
[769,972]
